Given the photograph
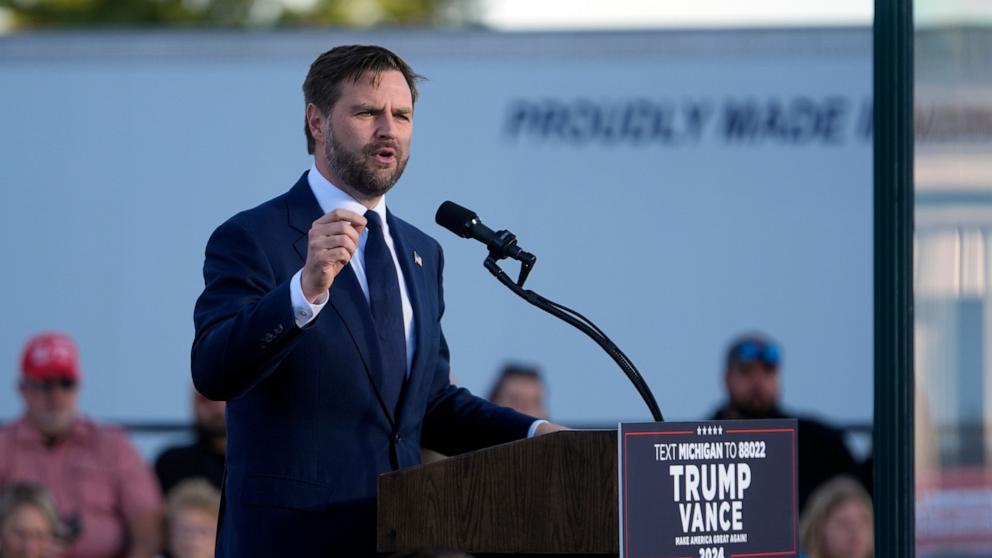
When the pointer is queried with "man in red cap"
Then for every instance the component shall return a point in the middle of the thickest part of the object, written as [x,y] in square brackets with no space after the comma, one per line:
[104,491]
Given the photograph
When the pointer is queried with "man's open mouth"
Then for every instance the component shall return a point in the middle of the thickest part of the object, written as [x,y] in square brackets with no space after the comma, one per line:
[385,155]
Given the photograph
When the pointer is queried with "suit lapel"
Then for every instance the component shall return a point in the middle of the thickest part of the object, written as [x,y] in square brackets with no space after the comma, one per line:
[302,209]
[346,296]
[349,302]
[415,283]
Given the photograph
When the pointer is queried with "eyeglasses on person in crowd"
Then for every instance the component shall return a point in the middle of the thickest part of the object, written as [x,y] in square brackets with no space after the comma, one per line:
[48,386]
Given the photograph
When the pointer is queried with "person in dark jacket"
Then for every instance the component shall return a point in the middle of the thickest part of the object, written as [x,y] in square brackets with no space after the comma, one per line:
[204,458]
[752,380]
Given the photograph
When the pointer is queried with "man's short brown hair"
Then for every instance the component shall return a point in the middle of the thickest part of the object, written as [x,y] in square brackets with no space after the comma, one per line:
[322,87]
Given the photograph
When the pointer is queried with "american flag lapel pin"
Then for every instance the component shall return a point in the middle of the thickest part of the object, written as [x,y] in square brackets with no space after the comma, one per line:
[417,259]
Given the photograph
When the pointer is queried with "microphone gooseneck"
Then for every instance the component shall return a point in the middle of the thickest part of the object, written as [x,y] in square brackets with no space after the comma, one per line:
[503,244]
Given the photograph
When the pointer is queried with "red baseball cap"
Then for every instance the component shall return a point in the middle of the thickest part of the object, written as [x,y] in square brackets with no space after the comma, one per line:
[50,356]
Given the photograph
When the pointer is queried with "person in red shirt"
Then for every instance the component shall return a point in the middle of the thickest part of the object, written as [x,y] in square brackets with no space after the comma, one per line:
[104,491]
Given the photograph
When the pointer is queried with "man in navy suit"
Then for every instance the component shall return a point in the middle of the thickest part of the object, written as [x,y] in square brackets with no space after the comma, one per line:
[320,325]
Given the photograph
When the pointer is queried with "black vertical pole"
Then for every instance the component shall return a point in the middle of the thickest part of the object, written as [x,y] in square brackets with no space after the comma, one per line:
[893,134]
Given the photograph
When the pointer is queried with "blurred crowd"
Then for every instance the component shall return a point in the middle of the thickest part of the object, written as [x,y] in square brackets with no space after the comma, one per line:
[71,487]
[74,488]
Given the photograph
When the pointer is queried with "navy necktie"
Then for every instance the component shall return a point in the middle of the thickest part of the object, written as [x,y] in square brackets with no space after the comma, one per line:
[387,310]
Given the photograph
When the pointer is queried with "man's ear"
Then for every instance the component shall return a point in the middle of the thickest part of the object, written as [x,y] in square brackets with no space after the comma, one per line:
[315,122]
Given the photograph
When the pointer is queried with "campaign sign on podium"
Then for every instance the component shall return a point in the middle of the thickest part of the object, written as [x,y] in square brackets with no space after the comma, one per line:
[711,489]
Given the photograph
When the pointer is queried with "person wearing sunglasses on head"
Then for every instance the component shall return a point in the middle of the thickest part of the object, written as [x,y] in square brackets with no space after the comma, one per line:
[752,381]
[105,493]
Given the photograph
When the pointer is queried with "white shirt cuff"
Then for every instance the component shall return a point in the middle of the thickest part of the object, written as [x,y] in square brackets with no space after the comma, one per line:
[533,427]
[303,311]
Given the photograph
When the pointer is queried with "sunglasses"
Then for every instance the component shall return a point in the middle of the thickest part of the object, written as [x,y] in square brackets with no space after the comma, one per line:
[750,351]
[48,386]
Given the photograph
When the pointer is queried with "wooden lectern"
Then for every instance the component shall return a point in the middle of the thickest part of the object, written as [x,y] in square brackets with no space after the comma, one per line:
[555,495]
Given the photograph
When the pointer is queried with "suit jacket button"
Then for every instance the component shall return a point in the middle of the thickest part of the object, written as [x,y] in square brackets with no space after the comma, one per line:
[396,438]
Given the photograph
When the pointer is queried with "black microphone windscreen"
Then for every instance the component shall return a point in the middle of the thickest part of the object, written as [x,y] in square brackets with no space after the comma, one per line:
[455,218]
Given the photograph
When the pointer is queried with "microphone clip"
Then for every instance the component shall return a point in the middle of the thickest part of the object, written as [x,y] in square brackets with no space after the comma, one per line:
[504,245]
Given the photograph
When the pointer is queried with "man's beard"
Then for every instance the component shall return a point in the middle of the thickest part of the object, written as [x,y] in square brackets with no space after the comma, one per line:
[355,170]
[54,423]
[751,409]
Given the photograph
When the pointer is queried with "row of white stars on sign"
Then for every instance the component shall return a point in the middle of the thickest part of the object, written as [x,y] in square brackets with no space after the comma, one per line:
[709,430]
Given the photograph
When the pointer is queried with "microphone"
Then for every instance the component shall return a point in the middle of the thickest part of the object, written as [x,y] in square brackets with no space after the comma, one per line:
[466,224]
[503,244]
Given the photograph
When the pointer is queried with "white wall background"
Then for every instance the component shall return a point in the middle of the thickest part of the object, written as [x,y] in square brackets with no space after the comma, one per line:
[121,152]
